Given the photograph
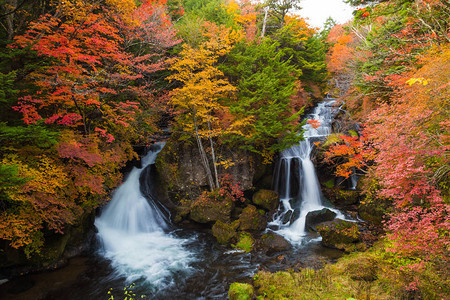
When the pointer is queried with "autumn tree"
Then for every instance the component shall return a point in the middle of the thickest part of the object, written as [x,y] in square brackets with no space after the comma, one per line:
[198,100]
[85,94]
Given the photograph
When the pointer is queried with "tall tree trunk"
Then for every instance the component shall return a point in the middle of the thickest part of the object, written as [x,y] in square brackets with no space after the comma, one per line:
[263,31]
[10,19]
[203,156]
[213,154]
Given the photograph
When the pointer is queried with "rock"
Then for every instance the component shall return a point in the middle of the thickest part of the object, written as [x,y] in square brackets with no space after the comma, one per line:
[224,232]
[266,199]
[287,217]
[182,173]
[346,197]
[252,219]
[340,234]
[318,216]
[295,215]
[207,210]
[274,243]
[240,291]
[372,212]
[363,269]
[245,242]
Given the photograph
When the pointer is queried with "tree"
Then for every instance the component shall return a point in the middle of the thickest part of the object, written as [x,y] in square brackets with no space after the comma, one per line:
[203,86]
[280,8]
[265,84]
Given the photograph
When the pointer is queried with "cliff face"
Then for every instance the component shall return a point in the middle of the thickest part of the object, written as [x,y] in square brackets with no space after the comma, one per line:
[182,174]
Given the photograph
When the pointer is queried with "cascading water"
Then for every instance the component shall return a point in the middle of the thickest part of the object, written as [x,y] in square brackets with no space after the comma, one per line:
[133,233]
[296,179]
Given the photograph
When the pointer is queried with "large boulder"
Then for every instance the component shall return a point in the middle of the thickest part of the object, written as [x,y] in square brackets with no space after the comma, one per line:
[240,291]
[341,197]
[318,216]
[274,243]
[341,234]
[266,199]
[252,219]
[225,232]
[207,210]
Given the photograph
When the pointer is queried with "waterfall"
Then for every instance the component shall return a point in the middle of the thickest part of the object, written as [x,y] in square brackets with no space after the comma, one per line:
[134,233]
[296,180]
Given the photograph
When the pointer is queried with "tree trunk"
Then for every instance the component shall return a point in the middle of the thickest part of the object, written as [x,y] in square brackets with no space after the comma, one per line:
[263,31]
[202,152]
[213,154]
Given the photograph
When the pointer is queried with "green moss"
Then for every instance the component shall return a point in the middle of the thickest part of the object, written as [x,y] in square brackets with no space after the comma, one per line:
[332,139]
[251,219]
[240,291]
[329,184]
[207,210]
[374,274]
[266,199]
[224,232]
[353,133]
[245,242]
[340,234]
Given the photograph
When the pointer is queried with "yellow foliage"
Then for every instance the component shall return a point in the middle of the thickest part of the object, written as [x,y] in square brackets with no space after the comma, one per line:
[46,177]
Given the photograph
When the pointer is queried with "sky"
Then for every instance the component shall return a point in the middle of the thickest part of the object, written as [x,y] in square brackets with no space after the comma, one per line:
[317,11]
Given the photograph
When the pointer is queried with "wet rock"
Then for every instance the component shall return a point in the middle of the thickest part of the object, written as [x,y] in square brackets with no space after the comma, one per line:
[295,215]
[225,232]
[274,243]
[240,291]
[341,234]
[252,219]
[206,210]
[318,216]
[266,199]
[287,217]
[295,177]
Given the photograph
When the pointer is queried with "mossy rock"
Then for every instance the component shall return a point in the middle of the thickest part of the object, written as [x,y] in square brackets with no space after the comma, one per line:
[252,219]
[340,234]
[266,199]
[362,269]
[245,242]
[342,197]
[273,243]
[240,291]
[206,210]
[225,232]
[371,212]
[318,216]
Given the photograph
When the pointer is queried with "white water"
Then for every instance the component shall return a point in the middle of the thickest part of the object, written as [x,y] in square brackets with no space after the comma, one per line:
[308,197]
[132,231]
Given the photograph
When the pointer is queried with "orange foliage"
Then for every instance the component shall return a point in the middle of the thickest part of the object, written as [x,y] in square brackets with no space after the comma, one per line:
[341,52]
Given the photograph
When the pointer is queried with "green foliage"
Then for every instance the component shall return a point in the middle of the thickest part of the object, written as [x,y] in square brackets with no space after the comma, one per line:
[34,134]
[7,89]
[209,10]
[265,83]
[9,177]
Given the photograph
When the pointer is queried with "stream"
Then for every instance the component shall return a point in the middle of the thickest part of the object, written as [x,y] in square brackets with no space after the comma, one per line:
[136,243]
